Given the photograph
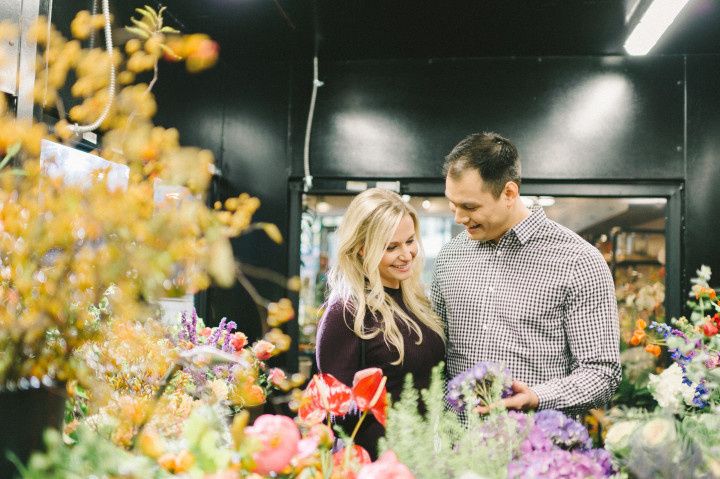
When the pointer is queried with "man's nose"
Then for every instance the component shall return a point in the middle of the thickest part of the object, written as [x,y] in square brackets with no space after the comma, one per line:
[460,218]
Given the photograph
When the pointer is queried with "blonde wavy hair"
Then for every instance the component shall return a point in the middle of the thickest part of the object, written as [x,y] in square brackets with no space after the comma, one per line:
[366,229]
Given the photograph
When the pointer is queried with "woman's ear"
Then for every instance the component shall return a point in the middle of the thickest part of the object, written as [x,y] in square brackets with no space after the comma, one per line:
[362,251]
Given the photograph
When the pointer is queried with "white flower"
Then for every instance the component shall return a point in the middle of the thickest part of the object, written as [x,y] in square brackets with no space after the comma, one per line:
[658,431]
[617,439]
[669,390]
[703,274]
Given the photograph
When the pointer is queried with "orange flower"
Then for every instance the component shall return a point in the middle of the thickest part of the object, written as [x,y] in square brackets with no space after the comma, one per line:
[653,349]
[640,324]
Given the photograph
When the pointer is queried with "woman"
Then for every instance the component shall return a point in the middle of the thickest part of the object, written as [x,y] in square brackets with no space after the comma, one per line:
[377,313]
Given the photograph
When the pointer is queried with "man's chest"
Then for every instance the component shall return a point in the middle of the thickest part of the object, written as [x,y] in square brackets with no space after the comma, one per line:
[504,285]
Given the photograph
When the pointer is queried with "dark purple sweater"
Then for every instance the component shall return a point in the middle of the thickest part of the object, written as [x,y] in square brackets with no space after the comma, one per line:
[338,353]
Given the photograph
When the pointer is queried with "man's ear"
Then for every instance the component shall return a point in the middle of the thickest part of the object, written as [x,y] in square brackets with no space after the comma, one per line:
[511,192]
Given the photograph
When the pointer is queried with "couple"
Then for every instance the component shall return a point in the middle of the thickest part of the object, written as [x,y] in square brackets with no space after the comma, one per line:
[514,287]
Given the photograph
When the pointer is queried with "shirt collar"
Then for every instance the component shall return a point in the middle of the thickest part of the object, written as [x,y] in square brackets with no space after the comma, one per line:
[527,227]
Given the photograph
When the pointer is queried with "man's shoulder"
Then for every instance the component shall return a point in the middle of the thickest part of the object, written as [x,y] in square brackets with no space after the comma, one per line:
[574,245]
[456,245]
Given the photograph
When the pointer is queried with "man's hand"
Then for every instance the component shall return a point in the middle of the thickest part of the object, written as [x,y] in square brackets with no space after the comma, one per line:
[523,399]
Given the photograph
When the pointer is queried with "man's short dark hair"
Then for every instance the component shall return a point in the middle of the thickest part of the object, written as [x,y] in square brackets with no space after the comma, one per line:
[494,158]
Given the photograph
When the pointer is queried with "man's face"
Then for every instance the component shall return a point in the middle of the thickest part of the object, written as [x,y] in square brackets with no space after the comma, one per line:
[485,217]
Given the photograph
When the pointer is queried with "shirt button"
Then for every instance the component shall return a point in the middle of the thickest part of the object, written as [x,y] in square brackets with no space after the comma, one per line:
[491,289]
[498,252]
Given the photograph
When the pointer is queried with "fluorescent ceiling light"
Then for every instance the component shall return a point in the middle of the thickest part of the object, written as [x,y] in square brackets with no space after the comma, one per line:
[656,19]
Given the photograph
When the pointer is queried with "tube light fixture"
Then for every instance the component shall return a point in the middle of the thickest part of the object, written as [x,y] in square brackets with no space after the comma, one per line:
[656,19]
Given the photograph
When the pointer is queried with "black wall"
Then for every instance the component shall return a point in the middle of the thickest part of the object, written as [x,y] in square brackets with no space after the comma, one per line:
[591,118]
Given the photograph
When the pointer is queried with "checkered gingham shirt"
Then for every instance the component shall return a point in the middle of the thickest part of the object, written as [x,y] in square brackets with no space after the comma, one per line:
[541,301]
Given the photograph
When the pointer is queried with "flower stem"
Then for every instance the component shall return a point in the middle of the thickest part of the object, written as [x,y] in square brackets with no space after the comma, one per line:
[357,426]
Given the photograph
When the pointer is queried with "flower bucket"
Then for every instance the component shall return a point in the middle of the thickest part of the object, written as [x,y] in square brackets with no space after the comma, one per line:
[24,416]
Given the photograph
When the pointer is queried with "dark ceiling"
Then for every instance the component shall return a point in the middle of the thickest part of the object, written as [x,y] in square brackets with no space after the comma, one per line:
[363,29]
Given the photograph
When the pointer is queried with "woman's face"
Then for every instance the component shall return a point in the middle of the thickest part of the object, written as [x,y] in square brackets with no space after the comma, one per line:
[397,261]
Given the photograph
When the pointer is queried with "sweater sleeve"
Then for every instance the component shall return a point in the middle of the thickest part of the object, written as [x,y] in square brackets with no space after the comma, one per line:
[337,349]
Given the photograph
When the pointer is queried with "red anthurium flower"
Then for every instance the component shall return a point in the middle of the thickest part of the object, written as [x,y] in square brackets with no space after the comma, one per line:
[370,392]
[324,394]
[716,319]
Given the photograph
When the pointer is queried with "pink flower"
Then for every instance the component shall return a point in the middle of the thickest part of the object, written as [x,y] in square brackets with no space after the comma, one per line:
[276,376]
[323,434]
[205,332]
[279,438]
[386,467]
[306,448]
[238,341]
[263,349]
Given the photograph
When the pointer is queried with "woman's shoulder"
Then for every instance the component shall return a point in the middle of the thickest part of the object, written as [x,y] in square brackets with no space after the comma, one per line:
[337,312]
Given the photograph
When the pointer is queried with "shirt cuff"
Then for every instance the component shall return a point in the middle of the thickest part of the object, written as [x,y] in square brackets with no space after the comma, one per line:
[547,397]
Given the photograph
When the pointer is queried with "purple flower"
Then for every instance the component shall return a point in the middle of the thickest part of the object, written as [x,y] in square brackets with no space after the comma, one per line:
[215,336]
[604,458]
[229,328]
[193,327]
[557,464]
[562,431]
[485,383]
[183,333]
[700,399]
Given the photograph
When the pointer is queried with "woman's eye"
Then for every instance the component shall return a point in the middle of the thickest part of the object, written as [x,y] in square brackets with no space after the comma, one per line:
[410,241]
[391,248]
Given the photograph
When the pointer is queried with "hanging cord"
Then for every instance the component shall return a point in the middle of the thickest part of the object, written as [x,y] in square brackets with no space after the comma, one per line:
[111,88]
[308,128]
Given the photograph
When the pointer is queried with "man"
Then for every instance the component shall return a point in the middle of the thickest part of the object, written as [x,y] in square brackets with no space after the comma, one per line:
[522,290]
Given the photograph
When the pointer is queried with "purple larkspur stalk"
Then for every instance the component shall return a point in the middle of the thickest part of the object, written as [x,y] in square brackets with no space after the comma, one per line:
[215,336]
[229,328]
[193,328]
[198,376]
[183,333]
